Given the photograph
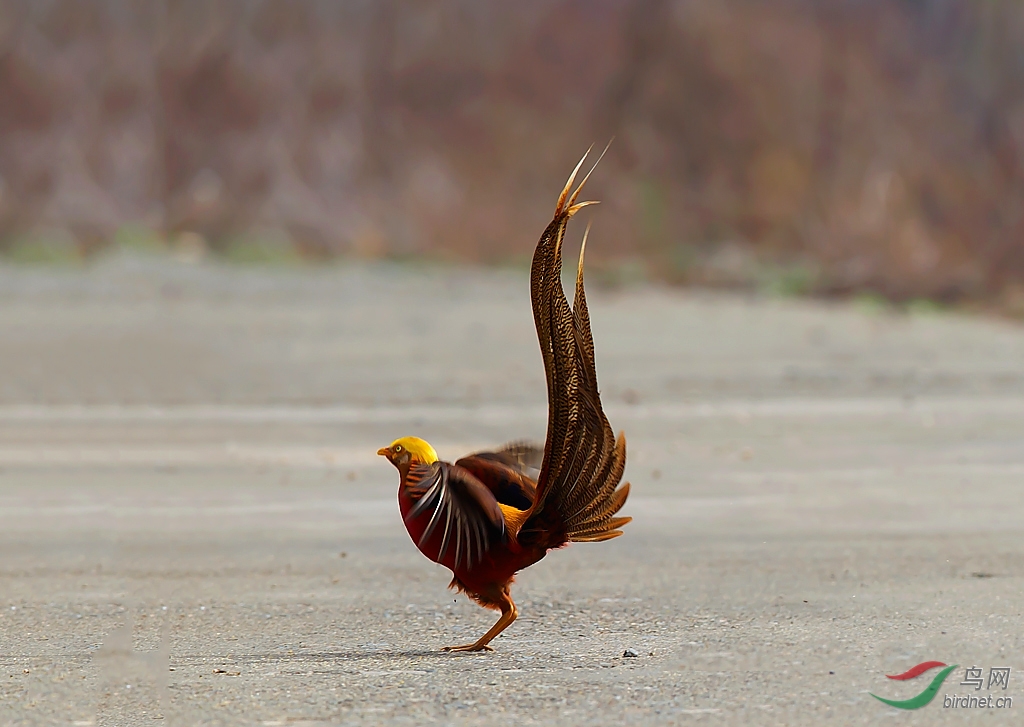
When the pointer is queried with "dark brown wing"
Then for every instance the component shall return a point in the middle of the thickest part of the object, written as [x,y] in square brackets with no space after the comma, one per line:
[505,475]
[459,507]
[583,462]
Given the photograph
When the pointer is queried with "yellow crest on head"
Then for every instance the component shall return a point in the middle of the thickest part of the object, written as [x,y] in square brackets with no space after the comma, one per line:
[420,450]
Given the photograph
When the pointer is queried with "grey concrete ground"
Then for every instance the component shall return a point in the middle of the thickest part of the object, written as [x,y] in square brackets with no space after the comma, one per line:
[195,529]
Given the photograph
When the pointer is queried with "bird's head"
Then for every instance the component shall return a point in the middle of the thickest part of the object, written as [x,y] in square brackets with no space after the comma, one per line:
[407,451]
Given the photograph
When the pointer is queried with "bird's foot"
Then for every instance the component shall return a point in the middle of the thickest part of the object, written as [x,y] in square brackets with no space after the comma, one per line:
[476,646]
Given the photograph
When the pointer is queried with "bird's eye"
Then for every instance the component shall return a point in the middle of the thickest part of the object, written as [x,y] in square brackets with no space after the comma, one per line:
[398,448]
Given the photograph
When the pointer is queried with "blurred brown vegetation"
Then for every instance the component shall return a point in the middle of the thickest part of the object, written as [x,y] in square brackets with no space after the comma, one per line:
[823,146]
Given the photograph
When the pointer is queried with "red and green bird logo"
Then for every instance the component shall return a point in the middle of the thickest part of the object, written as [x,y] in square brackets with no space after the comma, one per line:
[929,692]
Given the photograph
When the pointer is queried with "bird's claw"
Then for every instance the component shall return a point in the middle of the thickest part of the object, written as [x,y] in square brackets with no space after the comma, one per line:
[468,647]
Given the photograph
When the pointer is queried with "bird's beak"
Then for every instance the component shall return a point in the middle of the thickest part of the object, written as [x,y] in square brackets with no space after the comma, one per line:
[384,452]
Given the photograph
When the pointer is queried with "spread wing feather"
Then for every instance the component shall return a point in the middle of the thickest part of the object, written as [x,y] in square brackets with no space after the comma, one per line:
[459,503]
[508,478]
[526,457]
[583,462]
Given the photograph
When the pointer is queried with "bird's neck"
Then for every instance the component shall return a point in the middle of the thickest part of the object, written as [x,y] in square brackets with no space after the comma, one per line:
[404,467]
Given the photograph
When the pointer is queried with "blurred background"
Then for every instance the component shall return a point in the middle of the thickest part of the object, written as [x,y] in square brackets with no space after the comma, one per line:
[871,147]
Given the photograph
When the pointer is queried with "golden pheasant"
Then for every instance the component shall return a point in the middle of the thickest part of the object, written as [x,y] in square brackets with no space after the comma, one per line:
[492,514]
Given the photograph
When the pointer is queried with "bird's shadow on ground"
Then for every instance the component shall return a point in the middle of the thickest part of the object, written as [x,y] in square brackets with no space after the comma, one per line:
[350,656]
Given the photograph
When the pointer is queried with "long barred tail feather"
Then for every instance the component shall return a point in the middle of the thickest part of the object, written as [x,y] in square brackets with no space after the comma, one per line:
[578,490]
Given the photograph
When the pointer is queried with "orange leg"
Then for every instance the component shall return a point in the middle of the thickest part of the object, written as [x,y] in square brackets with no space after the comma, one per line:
[509,612]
